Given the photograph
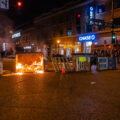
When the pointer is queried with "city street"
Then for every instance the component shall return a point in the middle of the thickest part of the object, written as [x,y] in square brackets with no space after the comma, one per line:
[54,96]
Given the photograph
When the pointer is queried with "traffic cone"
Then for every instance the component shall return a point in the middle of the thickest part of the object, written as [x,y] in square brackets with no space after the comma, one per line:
[63,69]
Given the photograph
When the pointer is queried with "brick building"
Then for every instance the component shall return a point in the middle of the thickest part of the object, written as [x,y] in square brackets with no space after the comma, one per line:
[78,27]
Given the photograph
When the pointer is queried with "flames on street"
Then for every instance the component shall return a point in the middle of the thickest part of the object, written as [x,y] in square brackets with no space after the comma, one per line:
[29,63]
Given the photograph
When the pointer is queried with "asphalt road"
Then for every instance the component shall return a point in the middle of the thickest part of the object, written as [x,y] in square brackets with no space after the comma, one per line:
[53,96]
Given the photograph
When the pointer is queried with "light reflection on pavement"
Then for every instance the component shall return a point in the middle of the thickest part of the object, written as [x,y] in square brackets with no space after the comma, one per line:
[53,96]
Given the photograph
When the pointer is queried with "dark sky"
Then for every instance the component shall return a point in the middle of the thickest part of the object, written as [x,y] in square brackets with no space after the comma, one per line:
[33,8]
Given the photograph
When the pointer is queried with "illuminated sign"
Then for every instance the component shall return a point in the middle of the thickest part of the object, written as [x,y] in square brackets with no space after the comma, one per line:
[28,47]
[82,59]
[87,37]
[16,35]
[4,4]
[91,14]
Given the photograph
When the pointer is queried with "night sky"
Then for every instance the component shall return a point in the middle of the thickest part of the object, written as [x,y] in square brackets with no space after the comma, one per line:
[33,8]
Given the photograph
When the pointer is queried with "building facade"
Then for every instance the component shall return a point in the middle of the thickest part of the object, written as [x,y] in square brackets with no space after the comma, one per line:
[78,27]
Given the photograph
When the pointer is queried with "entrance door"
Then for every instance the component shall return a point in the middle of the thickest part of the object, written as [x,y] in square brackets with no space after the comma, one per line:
[87,47]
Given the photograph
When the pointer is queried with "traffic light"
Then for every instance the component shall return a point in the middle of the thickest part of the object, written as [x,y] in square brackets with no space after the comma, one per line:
[78,16]
[19,3]
[113,37]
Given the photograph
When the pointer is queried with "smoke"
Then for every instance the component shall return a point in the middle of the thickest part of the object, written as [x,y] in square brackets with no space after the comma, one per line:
[43,47]
[5,33]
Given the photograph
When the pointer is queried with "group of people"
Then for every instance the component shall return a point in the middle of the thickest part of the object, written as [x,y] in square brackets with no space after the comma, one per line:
[106,53]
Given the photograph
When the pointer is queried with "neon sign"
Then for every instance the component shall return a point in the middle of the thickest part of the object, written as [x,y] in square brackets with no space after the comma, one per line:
[28,47]
[16,35]
[87,37]
[91,14]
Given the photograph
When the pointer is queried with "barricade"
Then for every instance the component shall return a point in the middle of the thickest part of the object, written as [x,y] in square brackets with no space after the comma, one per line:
[107,63]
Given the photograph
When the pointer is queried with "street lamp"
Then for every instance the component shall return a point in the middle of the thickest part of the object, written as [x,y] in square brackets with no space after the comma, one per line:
[58,42]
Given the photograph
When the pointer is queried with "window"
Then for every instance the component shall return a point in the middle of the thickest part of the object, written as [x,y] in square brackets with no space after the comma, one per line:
[100,9]
[88,28]
[78,30]
[76,49]
[69,32]
[116,4]
[61,32]
[101,25]
[117,22]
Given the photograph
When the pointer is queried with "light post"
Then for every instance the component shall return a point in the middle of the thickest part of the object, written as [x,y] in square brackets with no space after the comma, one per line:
[58,42]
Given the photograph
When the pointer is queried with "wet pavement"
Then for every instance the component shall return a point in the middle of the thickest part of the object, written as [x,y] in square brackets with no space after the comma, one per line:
[53,96]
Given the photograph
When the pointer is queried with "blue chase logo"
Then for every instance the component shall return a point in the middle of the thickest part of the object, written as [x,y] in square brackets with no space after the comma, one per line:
[87,37]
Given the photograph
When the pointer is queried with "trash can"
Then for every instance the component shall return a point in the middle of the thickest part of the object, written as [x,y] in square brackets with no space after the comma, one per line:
[1,67]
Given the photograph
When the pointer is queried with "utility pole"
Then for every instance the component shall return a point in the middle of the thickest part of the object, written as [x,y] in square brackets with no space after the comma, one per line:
[112,29]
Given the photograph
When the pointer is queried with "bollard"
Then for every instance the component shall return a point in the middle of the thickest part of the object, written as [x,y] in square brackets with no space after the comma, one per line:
[1,68]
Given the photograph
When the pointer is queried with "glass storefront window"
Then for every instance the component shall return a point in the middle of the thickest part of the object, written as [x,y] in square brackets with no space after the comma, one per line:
[76,49]
[61,51]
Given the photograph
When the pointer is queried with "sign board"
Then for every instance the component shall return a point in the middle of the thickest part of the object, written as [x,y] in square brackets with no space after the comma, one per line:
[28,47]
[112,63]
[16,35]
[87,37]
[103,63]
[4,4]
[82,59]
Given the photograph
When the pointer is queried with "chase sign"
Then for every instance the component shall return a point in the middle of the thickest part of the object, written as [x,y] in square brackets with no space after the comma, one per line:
[87,37]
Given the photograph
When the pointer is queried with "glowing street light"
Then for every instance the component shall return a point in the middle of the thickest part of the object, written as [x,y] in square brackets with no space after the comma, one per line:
[58,41]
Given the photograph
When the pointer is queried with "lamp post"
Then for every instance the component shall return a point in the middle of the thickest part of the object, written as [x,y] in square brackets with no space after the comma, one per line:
[58,41]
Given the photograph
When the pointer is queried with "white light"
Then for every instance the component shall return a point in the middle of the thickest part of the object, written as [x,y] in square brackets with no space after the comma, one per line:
[96,43]
[16,35]
[41,72]
[19,73]
[28,47]
[88,44]
[4,46]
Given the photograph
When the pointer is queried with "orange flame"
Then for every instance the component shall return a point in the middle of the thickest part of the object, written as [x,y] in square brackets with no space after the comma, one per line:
[36,67]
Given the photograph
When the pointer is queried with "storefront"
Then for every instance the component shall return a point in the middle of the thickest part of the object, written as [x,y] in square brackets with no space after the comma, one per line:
[87,42]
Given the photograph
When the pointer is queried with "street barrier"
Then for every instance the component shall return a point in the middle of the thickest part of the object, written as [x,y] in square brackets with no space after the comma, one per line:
[1,68]
[107,63]
[112,63]
[102,63]
[82,63]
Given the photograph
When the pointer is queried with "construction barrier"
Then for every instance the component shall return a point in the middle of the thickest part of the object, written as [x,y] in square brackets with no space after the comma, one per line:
[107,63]
[82,62]
[102,63]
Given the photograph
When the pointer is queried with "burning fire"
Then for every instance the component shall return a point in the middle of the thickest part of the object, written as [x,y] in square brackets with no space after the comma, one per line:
[36,67]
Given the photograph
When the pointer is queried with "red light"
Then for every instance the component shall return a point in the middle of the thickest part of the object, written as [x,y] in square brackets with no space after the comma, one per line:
[19,3]
[78,16]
